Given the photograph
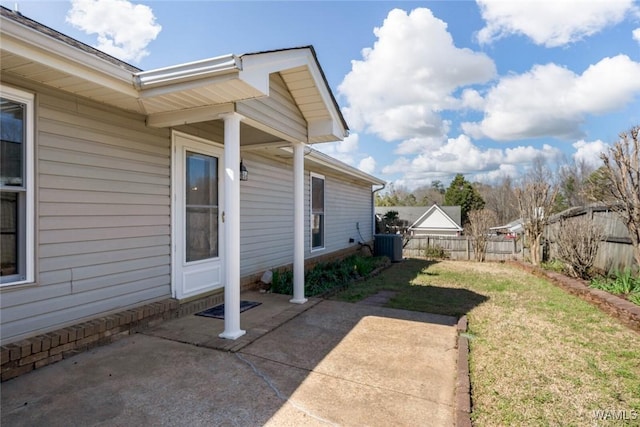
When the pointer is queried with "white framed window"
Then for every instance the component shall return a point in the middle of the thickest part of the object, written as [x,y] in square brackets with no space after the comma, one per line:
[317,211]
[16,186]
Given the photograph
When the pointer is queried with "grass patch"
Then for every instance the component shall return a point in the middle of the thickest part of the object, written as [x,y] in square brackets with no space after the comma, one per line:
[539,355]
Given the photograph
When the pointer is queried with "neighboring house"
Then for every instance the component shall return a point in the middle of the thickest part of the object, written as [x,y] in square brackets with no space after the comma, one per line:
[433,221]
[438,221]
[121,188]
[510,230]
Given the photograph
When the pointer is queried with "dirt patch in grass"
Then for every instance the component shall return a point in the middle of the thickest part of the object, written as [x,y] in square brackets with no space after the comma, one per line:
[539,356]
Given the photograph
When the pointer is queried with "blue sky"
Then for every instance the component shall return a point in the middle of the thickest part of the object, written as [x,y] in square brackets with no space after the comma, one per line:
[429,89]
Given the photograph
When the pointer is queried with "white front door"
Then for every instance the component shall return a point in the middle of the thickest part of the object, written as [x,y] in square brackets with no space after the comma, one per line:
[197,215]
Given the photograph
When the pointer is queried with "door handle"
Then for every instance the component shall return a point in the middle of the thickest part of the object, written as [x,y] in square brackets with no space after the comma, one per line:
[222,216]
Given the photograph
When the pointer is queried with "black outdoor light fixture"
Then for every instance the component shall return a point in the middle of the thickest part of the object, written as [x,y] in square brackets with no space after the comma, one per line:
[244,173]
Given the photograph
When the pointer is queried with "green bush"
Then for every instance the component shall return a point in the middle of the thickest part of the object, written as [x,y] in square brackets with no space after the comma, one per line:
[282,282]
[635,297]
[326,277]
[554,265]
[436,252]
[623,283]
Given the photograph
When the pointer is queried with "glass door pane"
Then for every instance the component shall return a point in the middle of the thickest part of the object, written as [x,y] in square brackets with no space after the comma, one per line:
[201,207]
[11,143]
[9,234]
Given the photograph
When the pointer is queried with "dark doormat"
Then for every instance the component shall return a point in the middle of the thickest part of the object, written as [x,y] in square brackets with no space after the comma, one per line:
[218,310]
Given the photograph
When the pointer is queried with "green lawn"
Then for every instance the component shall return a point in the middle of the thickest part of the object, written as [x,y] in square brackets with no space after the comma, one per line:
[539,356]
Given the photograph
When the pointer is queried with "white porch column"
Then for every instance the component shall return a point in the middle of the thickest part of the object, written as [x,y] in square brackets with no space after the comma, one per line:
[298,224]
[231,219]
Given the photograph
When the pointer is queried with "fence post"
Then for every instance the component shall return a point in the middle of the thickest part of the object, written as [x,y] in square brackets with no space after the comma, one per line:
[468,250]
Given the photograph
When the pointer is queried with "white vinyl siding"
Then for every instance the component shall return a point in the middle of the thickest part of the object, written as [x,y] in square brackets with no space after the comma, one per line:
[278,110]
[266,218]
[266,205]
[347,209]
[103,217]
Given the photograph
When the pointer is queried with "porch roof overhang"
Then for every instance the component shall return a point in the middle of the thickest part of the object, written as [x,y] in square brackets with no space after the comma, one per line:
[324,161]
[170,96]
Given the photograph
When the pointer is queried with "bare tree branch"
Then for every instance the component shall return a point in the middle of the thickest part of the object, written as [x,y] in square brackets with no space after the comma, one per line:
[622,172]
[536,197]
[478,227]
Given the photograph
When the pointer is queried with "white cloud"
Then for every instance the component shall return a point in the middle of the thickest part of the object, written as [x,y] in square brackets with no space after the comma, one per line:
[472,99]
[344,151]
[460,155]
[402,83]
[349,144]
[124,29]
[496,175]
[550,23]
[636,34]
[589,152]
[418,145]
[550,100]
[368,165]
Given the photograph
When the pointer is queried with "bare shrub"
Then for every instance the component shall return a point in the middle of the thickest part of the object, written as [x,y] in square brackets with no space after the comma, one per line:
[577,241]
[478,228]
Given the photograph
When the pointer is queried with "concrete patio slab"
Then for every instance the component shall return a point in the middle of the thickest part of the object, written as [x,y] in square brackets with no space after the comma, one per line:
[333,363]
[365,366]
[274,310]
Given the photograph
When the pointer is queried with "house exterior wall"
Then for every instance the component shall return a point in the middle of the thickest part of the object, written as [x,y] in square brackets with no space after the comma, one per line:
[102,215]
[266,219]
[266,222]
[347,209]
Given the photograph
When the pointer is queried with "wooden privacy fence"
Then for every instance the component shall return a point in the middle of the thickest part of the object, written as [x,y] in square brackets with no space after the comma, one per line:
[461,247]
[615,250]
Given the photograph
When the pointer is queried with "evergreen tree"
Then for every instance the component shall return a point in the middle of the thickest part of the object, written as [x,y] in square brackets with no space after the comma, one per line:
[462,193]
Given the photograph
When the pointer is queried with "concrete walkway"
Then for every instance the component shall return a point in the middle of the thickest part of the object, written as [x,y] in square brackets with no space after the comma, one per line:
[325,362]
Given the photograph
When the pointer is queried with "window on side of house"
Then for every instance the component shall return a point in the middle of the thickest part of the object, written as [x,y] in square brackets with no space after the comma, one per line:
[317,211]
[16,186]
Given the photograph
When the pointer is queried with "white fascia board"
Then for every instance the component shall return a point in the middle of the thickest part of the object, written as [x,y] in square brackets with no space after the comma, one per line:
[188,72]
[328,161]
[40,48]
[320,128]
[256,67]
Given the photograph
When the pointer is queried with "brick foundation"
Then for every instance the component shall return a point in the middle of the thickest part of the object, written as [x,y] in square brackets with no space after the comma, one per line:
[24,356]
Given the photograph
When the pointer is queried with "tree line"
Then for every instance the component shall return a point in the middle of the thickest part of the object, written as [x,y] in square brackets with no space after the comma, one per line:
[540,193]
